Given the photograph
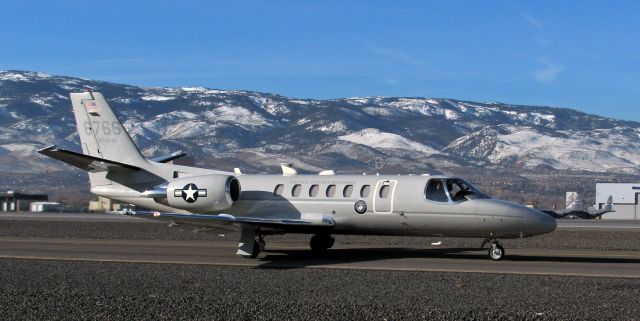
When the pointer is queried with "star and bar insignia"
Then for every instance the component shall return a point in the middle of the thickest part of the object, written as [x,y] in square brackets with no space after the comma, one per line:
[190,193]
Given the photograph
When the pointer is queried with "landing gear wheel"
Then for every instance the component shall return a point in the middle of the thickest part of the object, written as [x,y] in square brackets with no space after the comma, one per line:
[251,243]
[496,252]
[255,252]
[321,243]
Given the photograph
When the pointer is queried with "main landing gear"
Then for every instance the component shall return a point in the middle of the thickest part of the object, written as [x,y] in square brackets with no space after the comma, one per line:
[496,251]
[251,244]
[320,243]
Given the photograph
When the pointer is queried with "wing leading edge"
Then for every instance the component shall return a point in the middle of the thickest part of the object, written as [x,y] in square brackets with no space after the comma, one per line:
[238,223]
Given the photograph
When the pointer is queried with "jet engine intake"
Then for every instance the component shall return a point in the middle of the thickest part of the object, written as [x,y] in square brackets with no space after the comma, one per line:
[205,193]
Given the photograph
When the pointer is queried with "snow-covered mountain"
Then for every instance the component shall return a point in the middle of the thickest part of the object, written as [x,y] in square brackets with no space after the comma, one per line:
[256,131]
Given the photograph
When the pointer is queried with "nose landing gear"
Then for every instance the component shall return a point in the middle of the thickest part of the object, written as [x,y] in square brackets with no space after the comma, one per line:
[496,251]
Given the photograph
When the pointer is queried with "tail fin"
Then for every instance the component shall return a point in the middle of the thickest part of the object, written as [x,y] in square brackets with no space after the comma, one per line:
[609,205]
[102,134]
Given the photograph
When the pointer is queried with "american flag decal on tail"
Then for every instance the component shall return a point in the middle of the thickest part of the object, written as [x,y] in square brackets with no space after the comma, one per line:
[91,107]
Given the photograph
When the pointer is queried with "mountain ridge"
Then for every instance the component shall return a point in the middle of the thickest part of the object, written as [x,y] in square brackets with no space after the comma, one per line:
[225,121]
[257,131]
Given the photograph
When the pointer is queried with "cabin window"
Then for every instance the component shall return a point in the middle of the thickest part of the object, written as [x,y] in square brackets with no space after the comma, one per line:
[331,190]
[384,191]
[435,191]
[347,191]
[313,190]
[365,190]
[295,191]
[278,190]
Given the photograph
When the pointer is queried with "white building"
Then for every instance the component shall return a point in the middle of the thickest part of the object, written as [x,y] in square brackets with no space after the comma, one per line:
[46,207]
[625,200]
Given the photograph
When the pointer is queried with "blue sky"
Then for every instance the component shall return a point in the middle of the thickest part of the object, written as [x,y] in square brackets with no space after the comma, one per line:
[577,54]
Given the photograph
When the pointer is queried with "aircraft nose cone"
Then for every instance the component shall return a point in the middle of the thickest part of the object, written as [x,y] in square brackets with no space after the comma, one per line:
[540,223]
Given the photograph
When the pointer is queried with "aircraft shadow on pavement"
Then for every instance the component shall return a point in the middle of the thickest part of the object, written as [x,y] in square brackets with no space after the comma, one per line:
[302,257]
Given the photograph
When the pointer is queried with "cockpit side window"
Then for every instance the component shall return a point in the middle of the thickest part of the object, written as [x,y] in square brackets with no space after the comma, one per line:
[461,191]
[456,190]
[435,191]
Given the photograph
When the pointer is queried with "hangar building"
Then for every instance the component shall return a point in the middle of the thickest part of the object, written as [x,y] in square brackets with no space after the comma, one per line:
[12,201]
[625,200]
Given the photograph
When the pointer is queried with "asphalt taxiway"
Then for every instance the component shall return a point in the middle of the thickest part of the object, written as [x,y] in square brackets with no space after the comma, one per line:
[519,261]
[545,259]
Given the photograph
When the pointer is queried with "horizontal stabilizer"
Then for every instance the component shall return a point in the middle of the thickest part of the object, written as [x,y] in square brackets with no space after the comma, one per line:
[86,162]
[168,158]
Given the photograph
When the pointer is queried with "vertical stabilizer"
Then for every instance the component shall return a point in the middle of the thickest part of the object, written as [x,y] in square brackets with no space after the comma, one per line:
[102,134]
[609,205]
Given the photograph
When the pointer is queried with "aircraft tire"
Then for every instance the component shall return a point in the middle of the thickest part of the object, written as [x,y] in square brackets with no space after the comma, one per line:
[321,242]
[255,252]
[496,252]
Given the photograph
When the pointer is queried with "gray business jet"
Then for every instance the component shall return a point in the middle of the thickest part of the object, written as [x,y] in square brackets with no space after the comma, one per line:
[260,205]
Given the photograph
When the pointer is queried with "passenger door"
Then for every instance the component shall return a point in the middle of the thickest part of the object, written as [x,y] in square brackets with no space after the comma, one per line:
[383,199]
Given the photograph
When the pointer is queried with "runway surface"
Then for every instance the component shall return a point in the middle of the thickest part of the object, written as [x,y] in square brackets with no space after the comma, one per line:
[104,237]
[603,225]
[519,261]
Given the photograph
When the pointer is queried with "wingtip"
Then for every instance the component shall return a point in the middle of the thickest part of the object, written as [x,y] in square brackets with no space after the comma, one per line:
[46,149]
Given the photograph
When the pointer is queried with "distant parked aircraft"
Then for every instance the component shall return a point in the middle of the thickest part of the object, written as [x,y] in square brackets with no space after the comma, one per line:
[578,209]
[260,205]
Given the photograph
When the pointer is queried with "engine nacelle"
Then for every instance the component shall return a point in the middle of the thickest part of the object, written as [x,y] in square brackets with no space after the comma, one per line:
[205,193]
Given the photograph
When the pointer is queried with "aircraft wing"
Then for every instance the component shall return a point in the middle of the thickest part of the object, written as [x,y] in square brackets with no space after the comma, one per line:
[237,223]
[86,162]
[561,213]
[585,214]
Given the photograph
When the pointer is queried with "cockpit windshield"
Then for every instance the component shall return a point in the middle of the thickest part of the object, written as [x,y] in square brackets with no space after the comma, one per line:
[451,190]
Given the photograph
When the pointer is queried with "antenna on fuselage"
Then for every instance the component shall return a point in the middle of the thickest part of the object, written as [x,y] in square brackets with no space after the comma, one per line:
[288,170]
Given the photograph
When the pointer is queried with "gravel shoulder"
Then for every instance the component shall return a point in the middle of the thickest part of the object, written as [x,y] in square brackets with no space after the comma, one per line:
[57,290]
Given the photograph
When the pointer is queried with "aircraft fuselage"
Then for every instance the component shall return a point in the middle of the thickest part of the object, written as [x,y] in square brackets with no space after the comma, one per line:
[374,205]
